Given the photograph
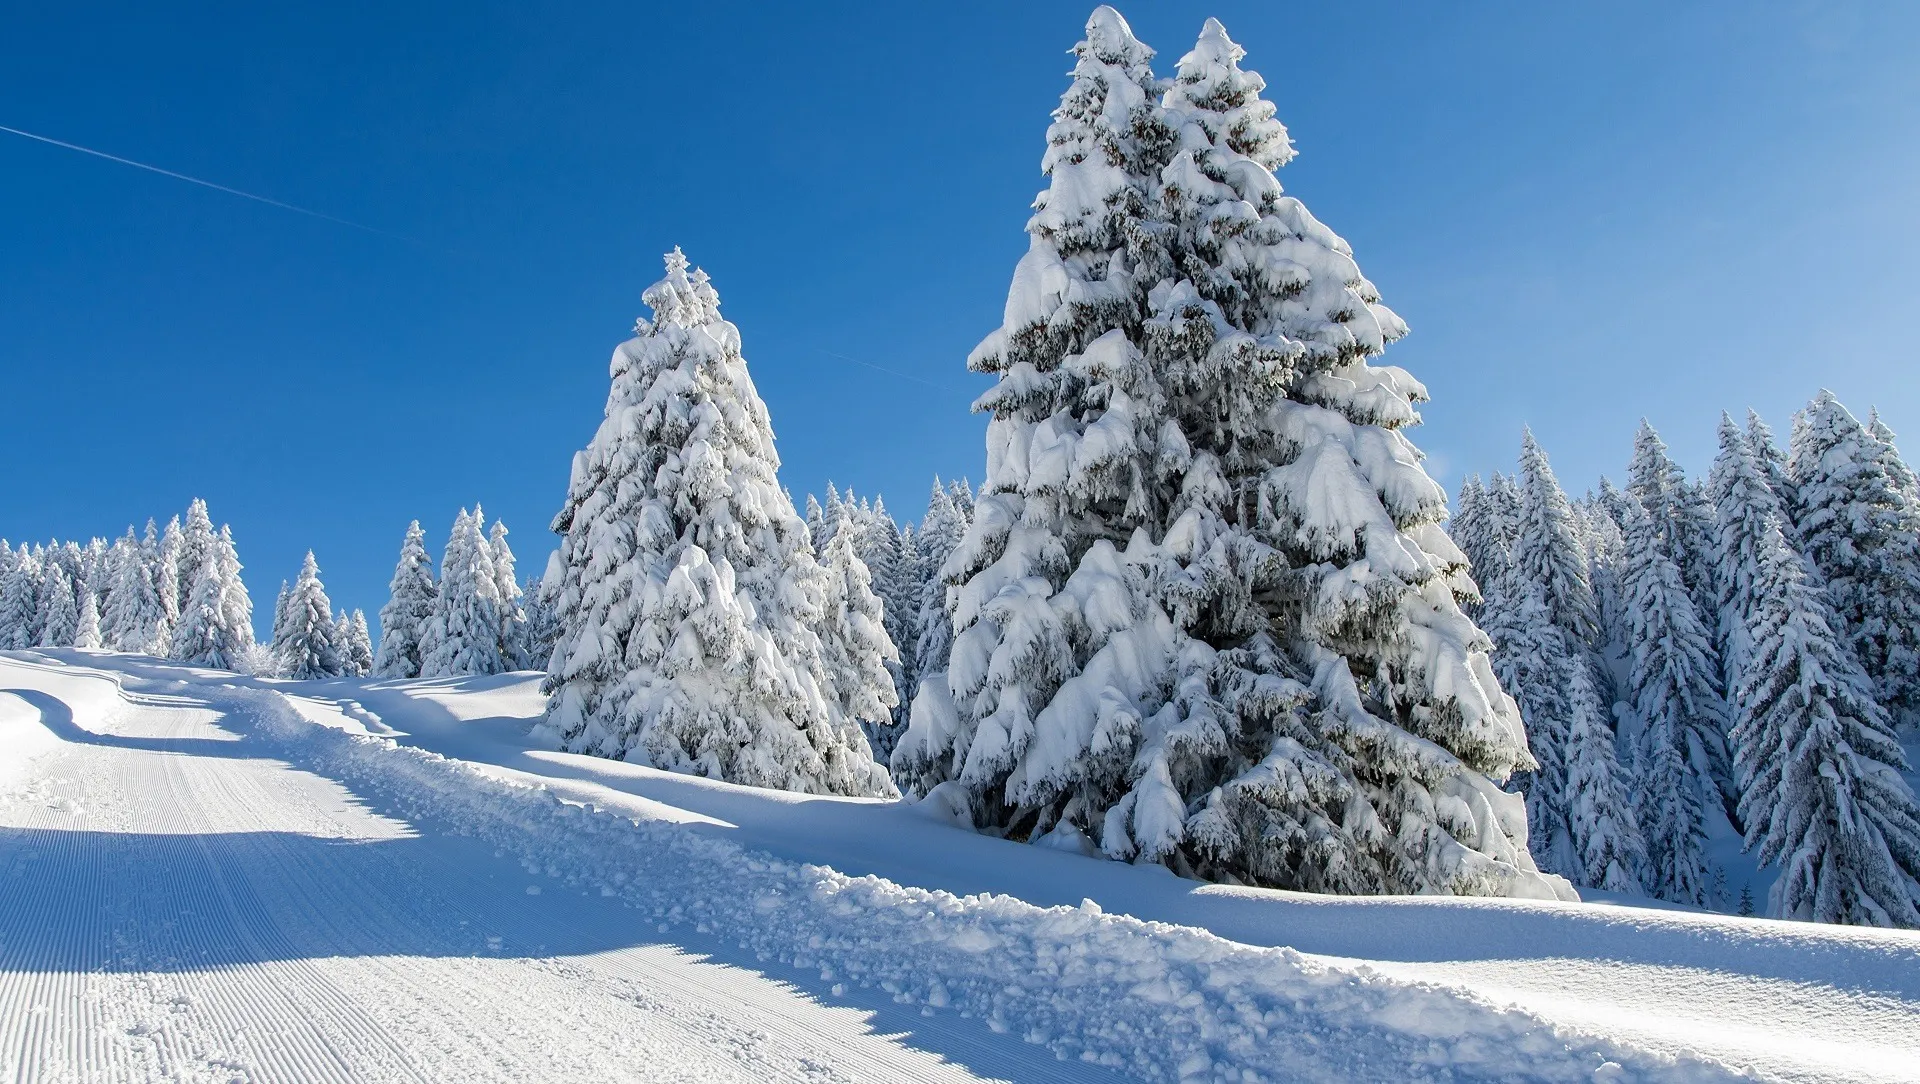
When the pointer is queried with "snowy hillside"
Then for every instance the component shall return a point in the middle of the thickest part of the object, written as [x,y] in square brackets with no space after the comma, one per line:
[218,878]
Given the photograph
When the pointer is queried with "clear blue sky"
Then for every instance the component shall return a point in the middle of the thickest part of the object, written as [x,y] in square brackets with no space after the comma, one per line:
[1587,214]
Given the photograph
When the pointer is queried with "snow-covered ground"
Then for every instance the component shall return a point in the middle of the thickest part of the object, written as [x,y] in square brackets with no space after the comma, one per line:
[216,878]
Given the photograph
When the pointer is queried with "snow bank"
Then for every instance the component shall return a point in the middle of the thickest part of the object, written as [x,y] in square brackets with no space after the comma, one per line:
[1159,1002]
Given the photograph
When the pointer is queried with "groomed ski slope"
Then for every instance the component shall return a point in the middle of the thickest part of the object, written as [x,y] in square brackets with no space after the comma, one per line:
[216,878]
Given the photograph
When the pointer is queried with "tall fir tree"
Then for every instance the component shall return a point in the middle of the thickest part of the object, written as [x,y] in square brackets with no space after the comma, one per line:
[543,622]
[1857,528]
[310,647]
[506,587]
[1606,837]
[1531,657]
[854,646]
[1902,475]
[1820,768]
[411,595]
[355,642]
[1672,689]
[940,533]
[1744,500]
[172,579]
[216,624]
[1547,548]
[463,636]
[687,590]
[1679,517]
[59,617]
[1205,546]
[135,621]
[87,633]
[1773,465]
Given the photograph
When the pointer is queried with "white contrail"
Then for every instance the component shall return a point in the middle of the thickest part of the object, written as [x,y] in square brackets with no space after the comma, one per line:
[206,184]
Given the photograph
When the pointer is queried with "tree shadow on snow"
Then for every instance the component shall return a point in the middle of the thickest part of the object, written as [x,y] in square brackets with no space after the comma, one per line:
[57,717]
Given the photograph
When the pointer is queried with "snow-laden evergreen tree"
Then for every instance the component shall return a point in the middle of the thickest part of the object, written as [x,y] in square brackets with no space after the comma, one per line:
[463,637]
[543,622]
[1607,841]
[1531,657]
[1672,689]
[1744,502]
[1189,600]
[310,648]
[20,603]
[816,520]
[1548,550]
[355,641]
[87,632]
[506,588]
[280,617]
[410,603]
[1679,517]
[1857,528]
[216,624]
[135,621]
[172,582]
[1820,768]
[1773,465]
[59,617]
[1902,475]
[1606,546]
[940,533]
[888,557]
[1472,529]
[687,590]
[854,646]
[196,546]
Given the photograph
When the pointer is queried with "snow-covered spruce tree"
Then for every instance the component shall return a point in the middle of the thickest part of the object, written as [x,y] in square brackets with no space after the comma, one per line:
[816,520]
[133,617]
[1672,689]
[216,624]
[1820,768]
[854,646]
[543,622]
[355,642]
[1679,517]
[1531,657]
[20,601]
[463,637]
[171,583]
[1607,841]
[86,633]
[1606,546]
[1744,502]
[1903,477]
[410,601]
[1773,465]
[1857,528]
[1548,549]
[879,544]
[310,648]
[195,547]
[1192,591]
[686,587]
[506,588]
[59,617]
[940,533]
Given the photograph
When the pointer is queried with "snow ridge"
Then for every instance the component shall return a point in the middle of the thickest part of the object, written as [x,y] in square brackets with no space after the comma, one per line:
[1157,1001]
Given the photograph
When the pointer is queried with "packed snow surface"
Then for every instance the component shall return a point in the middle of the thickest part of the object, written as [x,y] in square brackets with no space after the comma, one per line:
[209,877]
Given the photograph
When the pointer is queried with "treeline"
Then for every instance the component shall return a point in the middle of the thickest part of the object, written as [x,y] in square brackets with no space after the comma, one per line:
[174,593]
[1737,653]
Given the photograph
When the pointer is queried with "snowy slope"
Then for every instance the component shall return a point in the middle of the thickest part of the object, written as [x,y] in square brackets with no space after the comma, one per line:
[210,877]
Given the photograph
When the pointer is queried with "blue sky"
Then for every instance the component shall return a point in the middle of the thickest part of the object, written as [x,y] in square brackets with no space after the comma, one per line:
[1587,213]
